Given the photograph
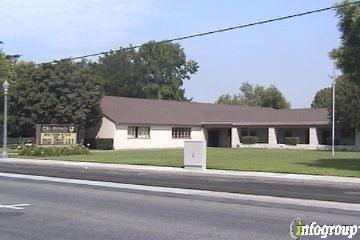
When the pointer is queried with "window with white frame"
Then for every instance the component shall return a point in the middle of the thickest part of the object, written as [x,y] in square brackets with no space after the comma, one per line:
[138,132]
[181,132]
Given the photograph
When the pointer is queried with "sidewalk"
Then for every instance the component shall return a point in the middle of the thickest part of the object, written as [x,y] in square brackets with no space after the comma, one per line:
[259,176]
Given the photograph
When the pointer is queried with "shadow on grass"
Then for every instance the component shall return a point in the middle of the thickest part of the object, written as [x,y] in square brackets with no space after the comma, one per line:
[352,164]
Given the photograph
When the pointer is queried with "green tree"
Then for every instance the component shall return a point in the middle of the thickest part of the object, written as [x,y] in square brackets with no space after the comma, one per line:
[167,68]
[6,67]
[64,92]
[7,72]
[256,96]
[347,55]
[272,97]
[347,59]
[156,70]
[322,99]
[347,103]
[230,99]
[122,73]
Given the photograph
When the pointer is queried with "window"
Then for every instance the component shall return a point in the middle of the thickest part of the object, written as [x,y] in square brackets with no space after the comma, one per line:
[346,132]
[138,132]
[244,132]
[178,132]
[288,133]
[253,133]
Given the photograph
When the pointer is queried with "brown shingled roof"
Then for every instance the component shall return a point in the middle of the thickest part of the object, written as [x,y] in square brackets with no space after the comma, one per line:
[163,112]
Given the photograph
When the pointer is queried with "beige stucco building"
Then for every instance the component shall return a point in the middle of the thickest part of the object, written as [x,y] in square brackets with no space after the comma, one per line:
[135,123]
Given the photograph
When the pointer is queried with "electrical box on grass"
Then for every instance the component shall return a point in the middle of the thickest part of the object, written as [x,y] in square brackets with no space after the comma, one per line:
[195,155]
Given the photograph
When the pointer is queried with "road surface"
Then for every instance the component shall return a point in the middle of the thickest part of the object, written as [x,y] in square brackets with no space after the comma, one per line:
[231,184]
[73,212]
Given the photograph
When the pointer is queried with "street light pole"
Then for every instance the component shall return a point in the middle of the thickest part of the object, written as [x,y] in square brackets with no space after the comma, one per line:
[6,87]
[333,116]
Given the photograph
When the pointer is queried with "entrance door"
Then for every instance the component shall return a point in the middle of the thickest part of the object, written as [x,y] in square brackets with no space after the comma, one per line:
[213,136]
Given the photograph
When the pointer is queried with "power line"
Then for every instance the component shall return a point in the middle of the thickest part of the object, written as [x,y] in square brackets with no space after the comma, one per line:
[217,30]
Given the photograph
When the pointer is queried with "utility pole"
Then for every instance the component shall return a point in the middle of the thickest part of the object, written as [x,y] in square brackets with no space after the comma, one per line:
[333,113]
[6,87]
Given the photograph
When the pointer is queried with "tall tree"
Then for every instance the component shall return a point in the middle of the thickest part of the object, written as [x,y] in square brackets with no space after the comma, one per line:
[65,92]
[272,97]
[167,68]
[347,103]
[6,67]
[230,99]
[347,59]
[122,73]
[7,72]
[347,55]
[156,70]
[256,96]
[322,99]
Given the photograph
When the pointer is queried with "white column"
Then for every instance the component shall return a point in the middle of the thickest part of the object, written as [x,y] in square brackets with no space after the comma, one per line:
[235,139]
[313,137]
[206,136]
[357,137]
[203,135]
[272,136]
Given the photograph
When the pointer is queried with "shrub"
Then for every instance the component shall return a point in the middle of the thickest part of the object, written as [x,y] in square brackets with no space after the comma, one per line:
[33,150]
[89,143]
[100,143]
[248,140]
[104,143]
[291,141]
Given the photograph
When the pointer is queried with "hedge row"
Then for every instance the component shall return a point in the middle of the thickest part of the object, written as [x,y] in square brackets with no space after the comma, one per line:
[252,140]
[248,140]
[33,150]
[100,143]
[291,141]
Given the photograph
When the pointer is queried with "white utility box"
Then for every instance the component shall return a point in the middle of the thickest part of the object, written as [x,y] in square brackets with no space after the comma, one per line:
[195,155]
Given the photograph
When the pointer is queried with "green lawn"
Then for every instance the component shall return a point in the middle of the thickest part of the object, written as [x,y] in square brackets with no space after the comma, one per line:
[242,159]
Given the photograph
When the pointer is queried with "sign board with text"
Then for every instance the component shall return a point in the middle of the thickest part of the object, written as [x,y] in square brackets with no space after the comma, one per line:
[56,134]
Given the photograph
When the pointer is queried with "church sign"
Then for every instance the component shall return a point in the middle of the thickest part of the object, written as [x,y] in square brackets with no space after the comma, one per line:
[56,134]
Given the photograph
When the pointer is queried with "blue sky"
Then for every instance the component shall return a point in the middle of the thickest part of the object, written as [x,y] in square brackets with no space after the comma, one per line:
[291,54]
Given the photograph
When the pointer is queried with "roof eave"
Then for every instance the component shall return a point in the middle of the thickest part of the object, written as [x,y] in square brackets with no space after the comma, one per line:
[304,123]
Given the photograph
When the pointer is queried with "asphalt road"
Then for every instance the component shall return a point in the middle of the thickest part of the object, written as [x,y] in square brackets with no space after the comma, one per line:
[192,181]
[74,212]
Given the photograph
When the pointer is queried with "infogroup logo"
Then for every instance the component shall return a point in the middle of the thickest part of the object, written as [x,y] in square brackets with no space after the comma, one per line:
[299,229]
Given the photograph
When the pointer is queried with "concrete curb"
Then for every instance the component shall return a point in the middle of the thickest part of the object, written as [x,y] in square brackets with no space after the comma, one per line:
[259,176]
